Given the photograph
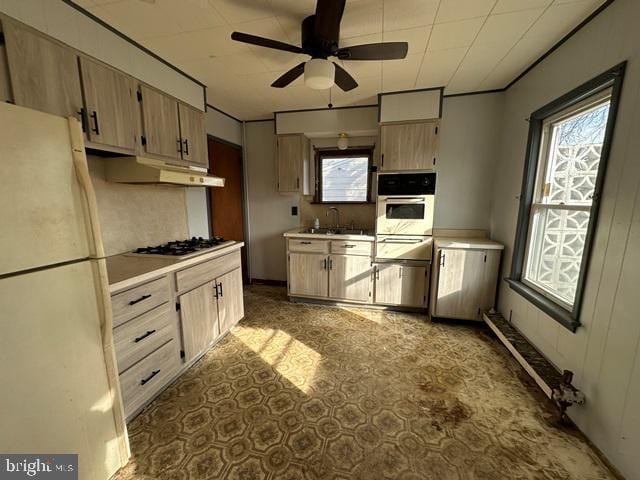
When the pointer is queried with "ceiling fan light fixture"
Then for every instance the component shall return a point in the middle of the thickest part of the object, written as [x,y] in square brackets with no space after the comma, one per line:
[319,73]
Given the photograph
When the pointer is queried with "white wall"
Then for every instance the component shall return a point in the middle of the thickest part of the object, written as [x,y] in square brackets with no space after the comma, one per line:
[226,128]
[68,25]
[604,352]
[269,212]
[469,138]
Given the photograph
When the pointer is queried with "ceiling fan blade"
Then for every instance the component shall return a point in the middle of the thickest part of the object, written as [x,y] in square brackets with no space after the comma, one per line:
[265,42]
[344,80]
[289,76]
[328,17]
[375,51]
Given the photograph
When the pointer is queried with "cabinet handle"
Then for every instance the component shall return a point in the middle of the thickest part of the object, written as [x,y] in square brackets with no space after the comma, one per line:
[348,246]
[153,374]
[83,119]
[143,297]
[179,142]
[142,337]
[442,260]
[400,272]
[96,128]
[382,160]
[331,264]
[305,243]
[324,264]
[221,292]
[186,146]
[298,182]
[377,270]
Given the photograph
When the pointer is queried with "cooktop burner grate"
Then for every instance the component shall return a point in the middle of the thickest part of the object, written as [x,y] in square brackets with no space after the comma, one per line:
[179,248]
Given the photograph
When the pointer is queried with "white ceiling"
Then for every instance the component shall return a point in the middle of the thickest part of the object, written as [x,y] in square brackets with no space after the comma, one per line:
[464,45]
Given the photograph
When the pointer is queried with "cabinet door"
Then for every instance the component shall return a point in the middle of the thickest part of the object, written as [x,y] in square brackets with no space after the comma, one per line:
[350,278]
[409,146]
[199,316]
[194,143]
[290,162]
[308,275]
[111,105]
[44,75]
[460,283]
[160,125]
[401,285]
[230,299]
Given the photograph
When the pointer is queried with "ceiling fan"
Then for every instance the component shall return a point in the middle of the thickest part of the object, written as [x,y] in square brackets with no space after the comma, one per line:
[320,33]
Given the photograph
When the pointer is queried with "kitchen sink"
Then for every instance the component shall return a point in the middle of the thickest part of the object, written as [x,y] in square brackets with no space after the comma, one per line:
[334,231]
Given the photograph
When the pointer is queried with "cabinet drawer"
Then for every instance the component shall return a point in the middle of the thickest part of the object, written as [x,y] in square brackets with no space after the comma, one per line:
[143,380]
[200,274]
[310,246]
[140,299]
[351,247]
[139,337]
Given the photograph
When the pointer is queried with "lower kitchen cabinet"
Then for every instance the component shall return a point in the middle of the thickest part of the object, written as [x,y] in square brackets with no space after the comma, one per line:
[350,278]
[464,279]
[308,275]
[199,315]
[401,285]
[230,304]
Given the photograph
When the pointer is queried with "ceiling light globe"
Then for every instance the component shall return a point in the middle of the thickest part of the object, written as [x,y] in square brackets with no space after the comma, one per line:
[343,142]
[319,73]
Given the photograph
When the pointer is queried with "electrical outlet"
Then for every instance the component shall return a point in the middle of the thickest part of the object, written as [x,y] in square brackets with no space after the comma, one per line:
[294,211]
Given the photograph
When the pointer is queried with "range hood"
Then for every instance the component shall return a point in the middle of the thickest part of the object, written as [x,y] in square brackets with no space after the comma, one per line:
[149,170]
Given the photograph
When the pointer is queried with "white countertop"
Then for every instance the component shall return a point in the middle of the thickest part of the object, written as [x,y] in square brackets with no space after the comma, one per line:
[467,243]
[297,232]
[125,271]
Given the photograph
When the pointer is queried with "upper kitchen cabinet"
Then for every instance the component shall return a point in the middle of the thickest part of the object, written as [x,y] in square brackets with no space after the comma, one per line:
[172,130]
[44,74]
[160,124]
[110,103]
[409,146]
[192,135]
[465,277]
[292,154]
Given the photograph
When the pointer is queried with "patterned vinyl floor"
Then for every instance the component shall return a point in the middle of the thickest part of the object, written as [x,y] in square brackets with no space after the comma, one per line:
[304,391]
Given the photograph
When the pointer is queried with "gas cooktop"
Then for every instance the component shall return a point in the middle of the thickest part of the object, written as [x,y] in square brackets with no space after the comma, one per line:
[182,248]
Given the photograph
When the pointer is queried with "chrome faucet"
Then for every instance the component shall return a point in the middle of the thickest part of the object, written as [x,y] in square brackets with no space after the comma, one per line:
[337,215]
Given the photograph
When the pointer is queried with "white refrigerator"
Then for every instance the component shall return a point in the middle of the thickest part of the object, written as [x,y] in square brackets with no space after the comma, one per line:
[59,391]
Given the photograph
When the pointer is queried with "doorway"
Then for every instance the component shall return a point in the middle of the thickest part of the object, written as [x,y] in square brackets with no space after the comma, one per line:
[226,205]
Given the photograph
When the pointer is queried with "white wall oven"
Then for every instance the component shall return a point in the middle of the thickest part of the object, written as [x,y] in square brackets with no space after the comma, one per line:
[405,204]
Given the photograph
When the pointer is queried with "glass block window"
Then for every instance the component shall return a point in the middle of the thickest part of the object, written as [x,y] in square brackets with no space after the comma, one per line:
[343,176]
[571,147]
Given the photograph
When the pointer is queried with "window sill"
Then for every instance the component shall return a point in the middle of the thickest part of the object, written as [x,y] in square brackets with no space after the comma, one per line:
[560,314]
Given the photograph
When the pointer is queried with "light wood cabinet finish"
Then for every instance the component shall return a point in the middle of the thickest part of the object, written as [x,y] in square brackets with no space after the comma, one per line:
[139,337]
[197,275]
[199,315]
[147,377]
[44,74]
[110,103]
[142,298]
[465,282]
[351,247]
[160,124]
[350,278]
[308,275]
[193,137]
[401,285]
[306,245]
[292,152]
[230,299]
[409,146]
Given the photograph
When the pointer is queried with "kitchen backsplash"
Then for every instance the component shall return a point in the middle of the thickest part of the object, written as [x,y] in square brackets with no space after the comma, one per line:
[133,216]
[362,215]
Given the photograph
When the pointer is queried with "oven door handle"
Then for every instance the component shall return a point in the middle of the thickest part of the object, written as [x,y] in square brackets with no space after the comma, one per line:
[405,200]
[398,240]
